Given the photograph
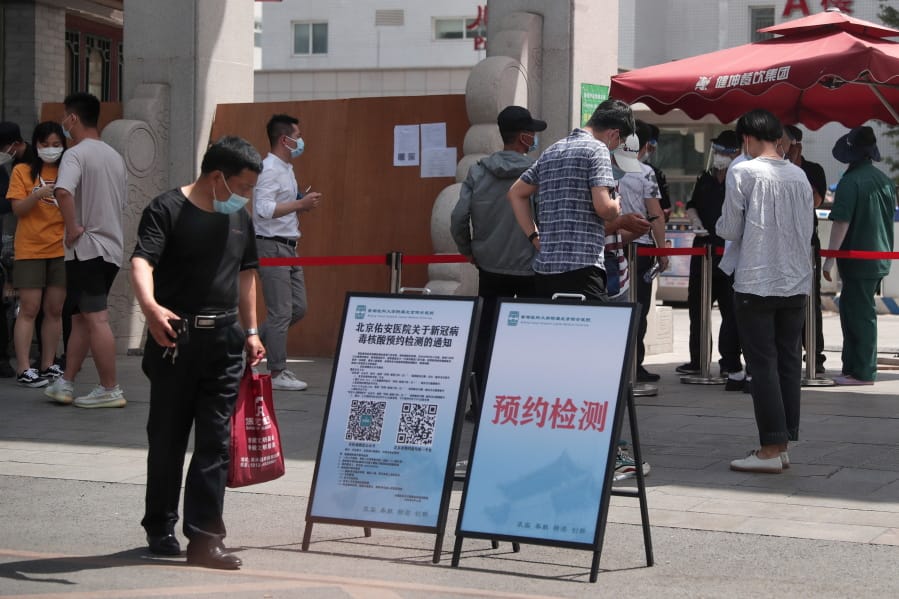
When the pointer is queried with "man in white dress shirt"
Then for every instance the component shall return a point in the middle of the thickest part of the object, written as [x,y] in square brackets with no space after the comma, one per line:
[277,204]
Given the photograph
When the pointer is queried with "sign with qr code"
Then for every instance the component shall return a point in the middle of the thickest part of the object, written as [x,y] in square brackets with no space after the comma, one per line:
[393,417]
[541,464]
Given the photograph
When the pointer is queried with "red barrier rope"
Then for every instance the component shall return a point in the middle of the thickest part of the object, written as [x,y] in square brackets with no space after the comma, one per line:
[434,259]
[456,258]
[324,261]
[860,255]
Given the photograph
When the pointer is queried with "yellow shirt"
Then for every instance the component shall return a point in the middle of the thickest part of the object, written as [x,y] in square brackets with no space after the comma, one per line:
[39,232]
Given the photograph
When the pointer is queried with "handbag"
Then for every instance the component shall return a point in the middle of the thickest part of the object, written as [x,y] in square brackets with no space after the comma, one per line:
[255,441]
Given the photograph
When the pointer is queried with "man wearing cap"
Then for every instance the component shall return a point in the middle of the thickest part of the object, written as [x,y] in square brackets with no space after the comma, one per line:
[573,181]
[650,148]
[703,210]
[13,150]
[815,173]
[640,195]
[484,227]
[862,215]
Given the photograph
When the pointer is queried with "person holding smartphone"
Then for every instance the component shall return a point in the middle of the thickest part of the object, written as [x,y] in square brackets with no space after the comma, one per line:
[277,205]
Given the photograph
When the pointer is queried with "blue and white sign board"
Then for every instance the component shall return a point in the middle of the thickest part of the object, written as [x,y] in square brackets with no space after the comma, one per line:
[387,451]
[546,436]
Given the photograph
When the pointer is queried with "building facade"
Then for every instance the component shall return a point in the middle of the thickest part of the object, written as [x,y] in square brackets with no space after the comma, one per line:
[359,48]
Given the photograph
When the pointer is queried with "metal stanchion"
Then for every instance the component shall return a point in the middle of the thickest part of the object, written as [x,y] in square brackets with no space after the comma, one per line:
[811,348]
[640,389]
[705,343]
[395,263]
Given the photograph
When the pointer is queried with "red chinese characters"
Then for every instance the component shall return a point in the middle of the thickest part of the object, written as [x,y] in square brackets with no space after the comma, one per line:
[561,414]
[802,6]
[479,24]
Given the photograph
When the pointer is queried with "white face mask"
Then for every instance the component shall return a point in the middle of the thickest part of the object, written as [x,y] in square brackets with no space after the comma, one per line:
[49,155]
[721,162]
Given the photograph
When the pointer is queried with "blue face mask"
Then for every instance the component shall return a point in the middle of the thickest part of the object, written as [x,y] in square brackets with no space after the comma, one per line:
[297,151]
[231,205]
[534,143]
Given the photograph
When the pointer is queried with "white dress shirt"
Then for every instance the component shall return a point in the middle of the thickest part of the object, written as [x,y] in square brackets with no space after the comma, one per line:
[276,184]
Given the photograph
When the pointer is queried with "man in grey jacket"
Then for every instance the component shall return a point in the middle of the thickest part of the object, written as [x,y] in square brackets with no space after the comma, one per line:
[484,226]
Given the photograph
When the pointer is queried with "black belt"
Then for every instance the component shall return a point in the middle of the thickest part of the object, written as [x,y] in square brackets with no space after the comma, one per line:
[291,242]
[210,321]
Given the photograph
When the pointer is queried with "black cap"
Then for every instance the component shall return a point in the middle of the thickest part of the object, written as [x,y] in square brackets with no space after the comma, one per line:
[728,139]
[9,133]
[516,118]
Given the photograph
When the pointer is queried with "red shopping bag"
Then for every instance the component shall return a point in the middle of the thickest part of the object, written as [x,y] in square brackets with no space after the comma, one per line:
[255,441]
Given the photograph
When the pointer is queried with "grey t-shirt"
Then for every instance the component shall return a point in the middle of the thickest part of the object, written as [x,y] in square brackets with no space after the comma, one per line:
[94,173]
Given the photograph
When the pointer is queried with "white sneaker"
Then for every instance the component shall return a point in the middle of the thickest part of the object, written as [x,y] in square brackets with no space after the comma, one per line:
[287,381]
[61,391]
[101,397]
[753,463]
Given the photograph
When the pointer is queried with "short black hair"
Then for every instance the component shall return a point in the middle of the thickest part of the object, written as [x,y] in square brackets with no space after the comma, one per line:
[761,124]
[41,133]
[794,132]
[9,133]
[644,133]
[278,125]
[654,131]
[231,155]
[613,114]
[85,106]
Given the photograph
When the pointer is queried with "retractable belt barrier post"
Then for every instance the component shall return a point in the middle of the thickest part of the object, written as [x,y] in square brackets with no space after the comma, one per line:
[705,341]
[811,350]
[640,389]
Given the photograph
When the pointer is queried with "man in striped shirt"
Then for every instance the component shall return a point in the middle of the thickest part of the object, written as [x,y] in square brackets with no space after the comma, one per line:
[572,180]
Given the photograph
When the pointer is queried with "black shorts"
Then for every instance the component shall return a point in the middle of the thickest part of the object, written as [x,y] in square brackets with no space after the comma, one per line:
[88,283]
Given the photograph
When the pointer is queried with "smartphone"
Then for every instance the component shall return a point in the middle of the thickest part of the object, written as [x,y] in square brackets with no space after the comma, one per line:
[177,325]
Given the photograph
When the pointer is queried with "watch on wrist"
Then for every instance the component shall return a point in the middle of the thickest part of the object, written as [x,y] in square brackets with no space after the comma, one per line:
[252,331]
[533,236]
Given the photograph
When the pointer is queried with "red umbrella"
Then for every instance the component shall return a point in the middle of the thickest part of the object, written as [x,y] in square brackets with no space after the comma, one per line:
[825,67]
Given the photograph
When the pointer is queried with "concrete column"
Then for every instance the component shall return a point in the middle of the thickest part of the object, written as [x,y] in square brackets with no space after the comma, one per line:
[579,45]
[18,60]
[203,50]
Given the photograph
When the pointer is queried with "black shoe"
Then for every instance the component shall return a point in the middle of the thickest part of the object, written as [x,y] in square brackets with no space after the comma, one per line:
[733,384]
[644,376]
[212,557]
[165,544]
[747,385]
[819,369]
[6,371]
[688,368]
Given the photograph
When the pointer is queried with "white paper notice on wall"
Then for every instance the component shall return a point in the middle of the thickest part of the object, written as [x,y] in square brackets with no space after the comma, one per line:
[433,135]
[438,162]
[405,145]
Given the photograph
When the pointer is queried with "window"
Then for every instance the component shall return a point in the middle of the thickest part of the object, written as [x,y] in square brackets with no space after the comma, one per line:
[93,59]
[310,38]
[457,29]
[759,17]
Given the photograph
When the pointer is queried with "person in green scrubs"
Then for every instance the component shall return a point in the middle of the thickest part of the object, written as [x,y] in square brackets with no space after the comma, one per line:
[863,211]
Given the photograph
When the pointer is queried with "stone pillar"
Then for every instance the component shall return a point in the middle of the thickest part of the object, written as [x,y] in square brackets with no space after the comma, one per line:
[33,40]
[203,51]
[143,140]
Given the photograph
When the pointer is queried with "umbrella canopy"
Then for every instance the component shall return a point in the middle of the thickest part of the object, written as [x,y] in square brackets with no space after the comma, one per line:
[826,67]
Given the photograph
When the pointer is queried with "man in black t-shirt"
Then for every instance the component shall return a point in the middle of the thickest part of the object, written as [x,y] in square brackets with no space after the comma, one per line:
[193,272]
[818,180]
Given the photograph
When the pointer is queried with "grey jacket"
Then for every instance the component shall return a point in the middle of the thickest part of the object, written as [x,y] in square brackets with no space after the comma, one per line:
[483,224]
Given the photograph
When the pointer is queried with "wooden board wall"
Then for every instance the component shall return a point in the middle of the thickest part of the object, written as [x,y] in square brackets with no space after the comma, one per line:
[368,205]
[55,111]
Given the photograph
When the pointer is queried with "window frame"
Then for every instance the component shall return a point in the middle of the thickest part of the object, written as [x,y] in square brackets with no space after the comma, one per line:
[467,34]
[310,24]
[754,36]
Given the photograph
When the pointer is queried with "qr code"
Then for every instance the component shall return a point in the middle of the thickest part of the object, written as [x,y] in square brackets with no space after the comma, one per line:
[417,423]
[365,421]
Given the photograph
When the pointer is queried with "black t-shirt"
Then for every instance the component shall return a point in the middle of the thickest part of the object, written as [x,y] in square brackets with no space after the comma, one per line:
[707,199]
[665,200]
[197,255]
[814,172]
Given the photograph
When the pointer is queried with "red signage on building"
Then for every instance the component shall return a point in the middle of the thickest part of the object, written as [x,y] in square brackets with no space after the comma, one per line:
[802,6]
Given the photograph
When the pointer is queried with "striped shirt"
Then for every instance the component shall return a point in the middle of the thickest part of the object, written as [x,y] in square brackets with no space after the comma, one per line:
[767,214]
[572,235]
